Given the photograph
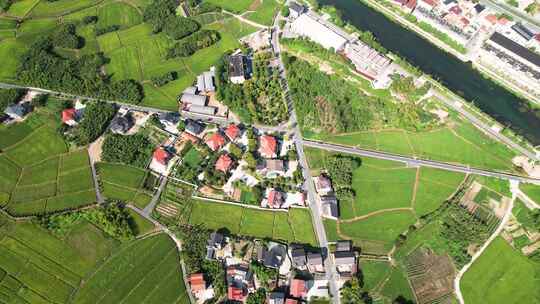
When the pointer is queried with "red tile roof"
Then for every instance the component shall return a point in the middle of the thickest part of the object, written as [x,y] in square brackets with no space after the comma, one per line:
[503,21]
[161,156]
[298,288]
[267,146]
[224,163]
[465,21]
[215,142]
[411,4]
[68,114]
[291,301]
[491,18]
[187,136]
[197,283]
[274,199]
[456,10]
[537,37]
[235,294]
[431,2]
[232,131]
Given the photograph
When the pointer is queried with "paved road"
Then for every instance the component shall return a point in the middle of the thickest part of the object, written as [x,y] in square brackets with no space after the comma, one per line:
[512,11]
[482,125]
[330,269]
[415,162]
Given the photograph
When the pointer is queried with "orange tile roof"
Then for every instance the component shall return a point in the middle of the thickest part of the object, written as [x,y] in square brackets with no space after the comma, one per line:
[298,288]
[187,136]
[161,156]
[232,131]
[68,114]
[267,146]
[224,163]
[197,282]
[215,142]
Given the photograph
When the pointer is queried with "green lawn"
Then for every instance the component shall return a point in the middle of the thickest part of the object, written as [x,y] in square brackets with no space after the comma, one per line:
[146,270]
[264,12]
[294,226]
[236,6]
[123,175]
[532,191]
[434,187]
[14,50]
[44,172]
[21,8]
[374,273]
[501,275]
[40,145]
[140,224]
[192,158]
[60,7]
[397,286]
[383,227]
[461,144]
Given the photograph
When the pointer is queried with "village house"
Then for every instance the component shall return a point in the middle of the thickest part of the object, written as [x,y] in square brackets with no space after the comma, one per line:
[237,69]
[170,121]
[276,297]
[215,242]
[70,117]
[205,81]
[160,160]
[329,206]
[291,301]
[121,124]
[273,168]
[273,256]
[16,111]
[321,31]
[199,289]
[274,199]
[345,259]
[298,288]
[295,10]
[194,128]
[298,256]
[268,146]
[185,136]
[315,262]
[215,142]
[239,282]
[224,163]
[323,185]
[232,132]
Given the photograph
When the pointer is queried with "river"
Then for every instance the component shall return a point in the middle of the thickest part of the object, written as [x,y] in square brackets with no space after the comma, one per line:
[460,77]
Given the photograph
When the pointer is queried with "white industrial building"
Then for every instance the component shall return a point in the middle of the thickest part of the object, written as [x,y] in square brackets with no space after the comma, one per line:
[312,26]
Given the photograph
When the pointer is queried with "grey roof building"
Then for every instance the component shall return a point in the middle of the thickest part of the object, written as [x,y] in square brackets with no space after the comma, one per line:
[298,256]
[344,258]
[202,109]
[237,69]
[523,31]
[121,124]
[16,111]
[343,246]
[193,99]
[276,298]
[190,90]
[314,259]
[169,118]
[216,240]
[329,206]
[295,9]
[194,127]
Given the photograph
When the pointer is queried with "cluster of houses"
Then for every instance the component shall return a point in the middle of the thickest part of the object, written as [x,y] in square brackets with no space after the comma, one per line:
[199,100]
[299,270]
[373,65]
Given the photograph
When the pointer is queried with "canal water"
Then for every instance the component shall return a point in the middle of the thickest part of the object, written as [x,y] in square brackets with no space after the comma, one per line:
[460,77]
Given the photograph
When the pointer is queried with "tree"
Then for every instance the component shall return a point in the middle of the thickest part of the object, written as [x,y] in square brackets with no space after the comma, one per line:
[235,151]
[133,150]
[188,46]
[162,80]
[114,219]
[97,116]
[352,293]
[533,8]
[90,19]
[65,36]
[5,4]
[250,160]
[258,297]
[178,27]
[40,100]
[285,11]
[9,96]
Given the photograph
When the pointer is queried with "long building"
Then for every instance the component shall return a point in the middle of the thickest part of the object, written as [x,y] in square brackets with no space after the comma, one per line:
[522,53]
[367,61]
[321,31]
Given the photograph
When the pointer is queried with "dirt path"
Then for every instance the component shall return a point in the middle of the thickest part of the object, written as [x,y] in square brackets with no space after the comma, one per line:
[508,213]
[415,188]
[365,216]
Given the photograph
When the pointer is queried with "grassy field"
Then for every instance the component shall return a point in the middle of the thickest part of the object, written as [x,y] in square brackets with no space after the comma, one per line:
[125,183]
[501,275]
[264,11]
[532,191]
[294,226]
[146,270]
[461,143]
[382,227]
[237,6]
[118,13]
[41,268]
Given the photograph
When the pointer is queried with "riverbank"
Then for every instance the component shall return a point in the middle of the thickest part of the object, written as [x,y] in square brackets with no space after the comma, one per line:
[398,18]
[460,77]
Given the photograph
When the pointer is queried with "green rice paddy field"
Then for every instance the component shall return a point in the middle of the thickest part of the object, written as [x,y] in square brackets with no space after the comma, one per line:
[38,173]
[125,183]
[389,198]
[37,267]
[501,275]
[134,52]
[292,226]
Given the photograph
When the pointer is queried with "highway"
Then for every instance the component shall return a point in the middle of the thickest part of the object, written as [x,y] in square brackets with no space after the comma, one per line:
[483,126]
[415,162]
[309,187]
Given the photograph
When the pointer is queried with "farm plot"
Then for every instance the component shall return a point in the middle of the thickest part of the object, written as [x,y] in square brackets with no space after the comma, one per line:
[501,275]
[238,6]
[294,226]
[56,184]
[125,183]
[40,268]
[60,7]
[532,191]
[21,8]
[14,50]
[146,270]
[433,188]
[118,13]
[40,145]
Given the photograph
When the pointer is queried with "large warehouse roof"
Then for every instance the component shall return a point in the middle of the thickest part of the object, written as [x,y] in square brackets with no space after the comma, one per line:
[319,31]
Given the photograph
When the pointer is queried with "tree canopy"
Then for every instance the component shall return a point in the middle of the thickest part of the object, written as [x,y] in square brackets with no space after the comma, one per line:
[96,118]
[133,150]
